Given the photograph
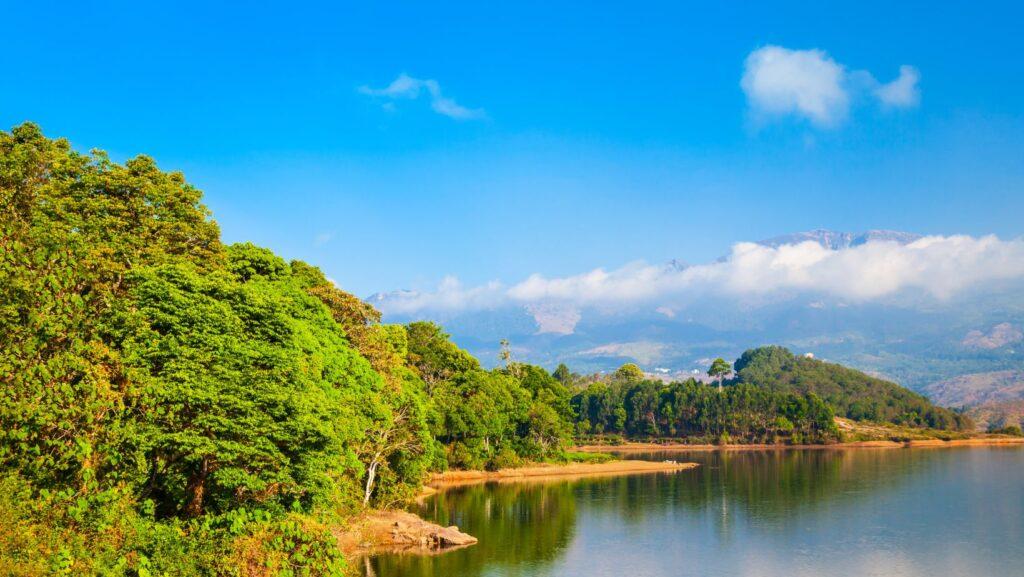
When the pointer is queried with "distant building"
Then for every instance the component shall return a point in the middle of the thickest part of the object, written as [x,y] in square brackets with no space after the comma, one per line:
[808,355]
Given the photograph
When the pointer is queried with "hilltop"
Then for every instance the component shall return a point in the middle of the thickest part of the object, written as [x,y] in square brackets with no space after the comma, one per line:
[851,393]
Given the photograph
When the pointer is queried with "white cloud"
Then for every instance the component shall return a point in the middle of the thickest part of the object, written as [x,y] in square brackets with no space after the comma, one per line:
[940,267]
[450,295]
[323,238]
[408,88]
[666,311]
[902,92]
[809,84]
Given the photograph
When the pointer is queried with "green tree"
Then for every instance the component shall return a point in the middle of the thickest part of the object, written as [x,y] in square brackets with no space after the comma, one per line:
[563,375]
[718,371]
[629,372]
[433,356]
[73,227]
[252,392]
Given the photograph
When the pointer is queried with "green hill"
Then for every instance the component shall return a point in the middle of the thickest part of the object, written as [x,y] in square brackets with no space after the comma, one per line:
[851,393]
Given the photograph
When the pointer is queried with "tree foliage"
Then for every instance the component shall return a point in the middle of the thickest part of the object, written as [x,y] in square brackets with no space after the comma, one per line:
[488,419]
[144,363]
[851,393]
[692,409]
[73,228]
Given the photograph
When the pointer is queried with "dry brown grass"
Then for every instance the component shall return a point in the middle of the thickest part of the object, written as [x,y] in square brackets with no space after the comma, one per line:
[552,472]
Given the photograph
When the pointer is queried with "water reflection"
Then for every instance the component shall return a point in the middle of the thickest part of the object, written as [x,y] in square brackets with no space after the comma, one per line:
[515,523]
[862,512]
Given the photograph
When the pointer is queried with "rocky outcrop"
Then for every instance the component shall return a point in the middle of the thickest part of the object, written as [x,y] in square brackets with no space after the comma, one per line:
[389,531]
[419,533]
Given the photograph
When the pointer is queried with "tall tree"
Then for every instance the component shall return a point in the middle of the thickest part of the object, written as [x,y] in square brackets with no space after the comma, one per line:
[718,371]
[563,375]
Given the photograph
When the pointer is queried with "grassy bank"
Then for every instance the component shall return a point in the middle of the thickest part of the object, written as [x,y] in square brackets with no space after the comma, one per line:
[551,471]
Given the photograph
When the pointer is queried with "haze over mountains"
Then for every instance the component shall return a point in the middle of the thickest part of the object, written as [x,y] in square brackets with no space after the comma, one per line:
[912,308]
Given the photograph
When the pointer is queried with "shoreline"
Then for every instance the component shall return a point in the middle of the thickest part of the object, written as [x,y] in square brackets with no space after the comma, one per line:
[395,531]
[544,473]
[648,447]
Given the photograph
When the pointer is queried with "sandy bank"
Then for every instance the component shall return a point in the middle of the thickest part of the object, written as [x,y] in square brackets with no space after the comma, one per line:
[554,472]
[923,443]
[395,531]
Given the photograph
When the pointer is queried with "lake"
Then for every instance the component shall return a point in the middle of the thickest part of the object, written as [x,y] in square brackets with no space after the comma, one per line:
[856,512]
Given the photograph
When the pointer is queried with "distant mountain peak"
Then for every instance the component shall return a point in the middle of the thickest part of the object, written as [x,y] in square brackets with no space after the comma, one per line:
[834,240]
[380,297]
[676,265]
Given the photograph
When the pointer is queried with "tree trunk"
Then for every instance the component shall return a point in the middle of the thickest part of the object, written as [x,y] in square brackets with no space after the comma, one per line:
[196,489]
[371,474]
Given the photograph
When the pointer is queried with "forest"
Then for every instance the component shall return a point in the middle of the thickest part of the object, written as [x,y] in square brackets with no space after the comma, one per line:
[173,405]
[849,392]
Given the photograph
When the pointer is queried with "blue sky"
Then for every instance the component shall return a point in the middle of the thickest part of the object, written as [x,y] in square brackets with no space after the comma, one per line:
[553,139]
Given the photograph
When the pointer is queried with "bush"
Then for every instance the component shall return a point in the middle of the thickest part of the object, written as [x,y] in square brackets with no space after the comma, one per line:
[585,457]
[506,458]
[295,546]
[44,534]
[1012,430]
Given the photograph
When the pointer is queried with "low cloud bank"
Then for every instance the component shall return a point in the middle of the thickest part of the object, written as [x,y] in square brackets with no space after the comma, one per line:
[939,267]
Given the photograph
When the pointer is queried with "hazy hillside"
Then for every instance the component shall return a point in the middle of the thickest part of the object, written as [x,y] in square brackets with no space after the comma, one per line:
[998,414]
[993,399]
[978,389]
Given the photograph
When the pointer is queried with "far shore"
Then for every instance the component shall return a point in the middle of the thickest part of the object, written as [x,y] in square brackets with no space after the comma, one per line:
[548,472]
[637,447]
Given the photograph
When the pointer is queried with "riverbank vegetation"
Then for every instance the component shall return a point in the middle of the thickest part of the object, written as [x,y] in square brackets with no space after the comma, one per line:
[174,405]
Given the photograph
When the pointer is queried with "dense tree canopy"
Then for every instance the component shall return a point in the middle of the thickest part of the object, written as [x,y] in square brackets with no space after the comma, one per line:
[143,360]
[851,393]
[249,390]
[694,410]
[73,228]
[488,418]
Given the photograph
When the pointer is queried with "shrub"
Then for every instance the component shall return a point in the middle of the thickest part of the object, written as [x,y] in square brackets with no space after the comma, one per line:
[506,458]
[1012,430]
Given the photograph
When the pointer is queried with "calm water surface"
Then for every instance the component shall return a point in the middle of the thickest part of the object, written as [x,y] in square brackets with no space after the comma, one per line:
[892,513]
